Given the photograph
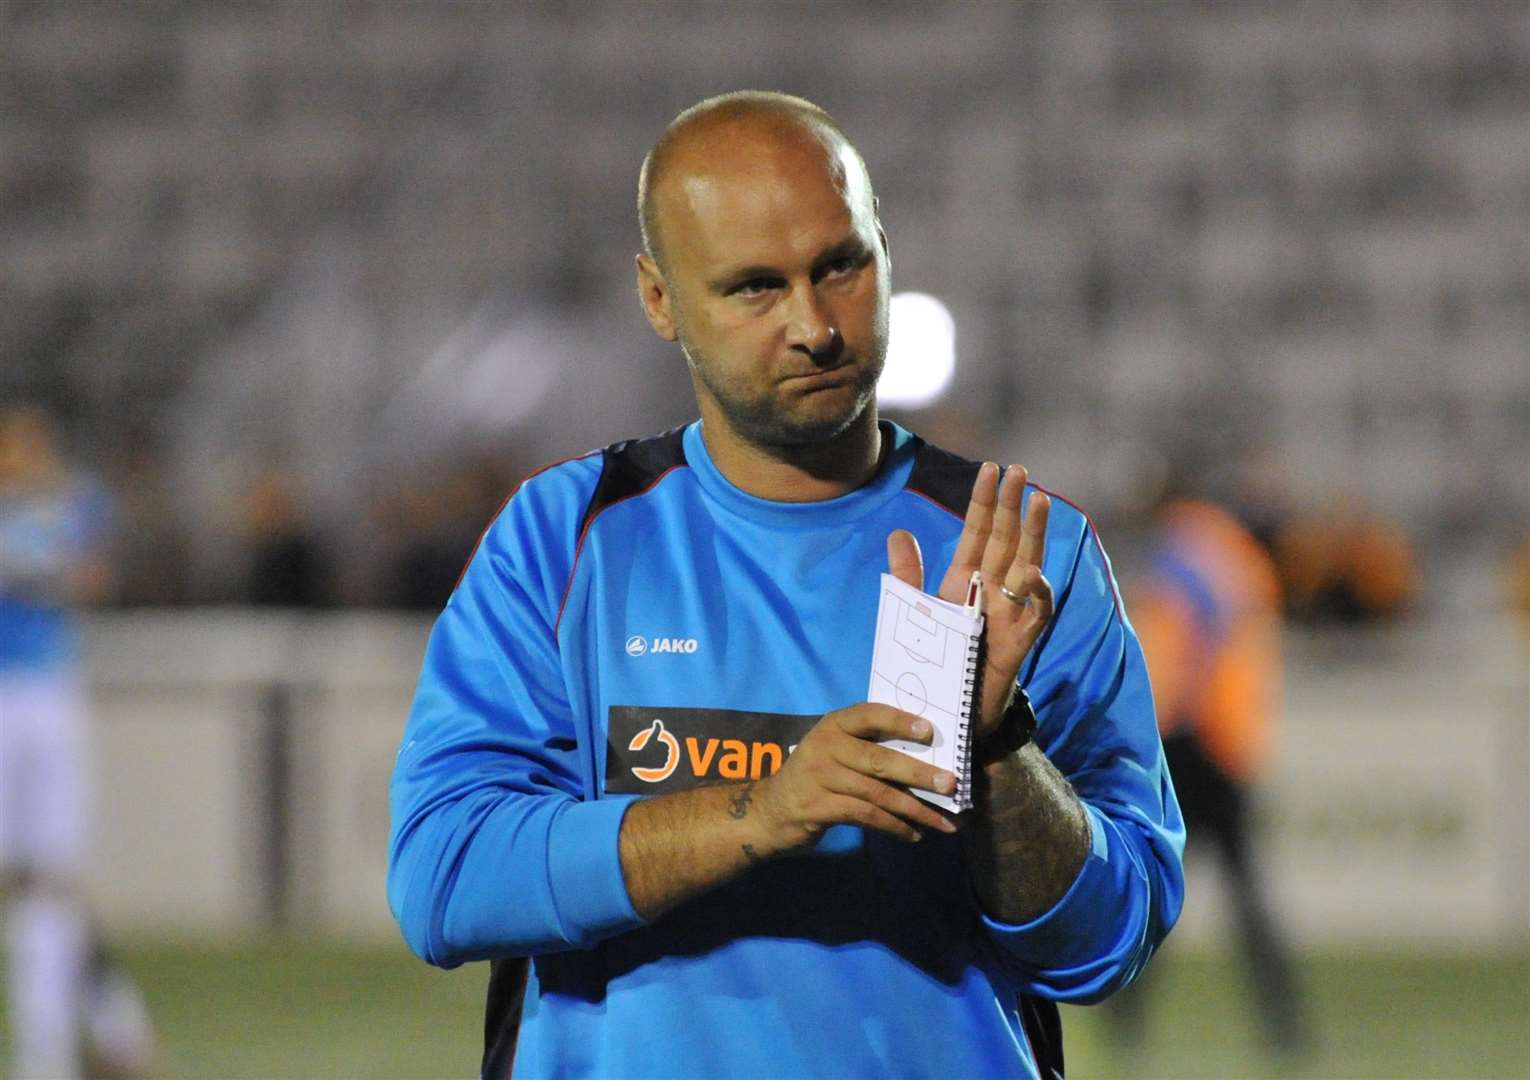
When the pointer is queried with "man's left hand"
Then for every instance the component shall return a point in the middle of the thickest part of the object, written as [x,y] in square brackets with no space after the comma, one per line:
[1008,549]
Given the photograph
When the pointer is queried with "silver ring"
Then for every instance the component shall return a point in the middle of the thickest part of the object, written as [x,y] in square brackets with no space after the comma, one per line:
[1014,598]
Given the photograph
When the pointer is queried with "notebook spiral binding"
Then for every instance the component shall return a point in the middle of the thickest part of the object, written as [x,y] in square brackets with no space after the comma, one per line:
[970,676]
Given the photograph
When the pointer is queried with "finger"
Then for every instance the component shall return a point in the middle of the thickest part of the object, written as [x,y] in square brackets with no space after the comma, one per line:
[881,762]
[873,720]
[891,800]
[1030,584]
[1039,589]
[903,559]
[1005,536]
[847,808]
[1033,532]
[975,528]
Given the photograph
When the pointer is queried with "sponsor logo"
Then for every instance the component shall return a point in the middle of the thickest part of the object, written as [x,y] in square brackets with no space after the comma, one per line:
[649,774]
[650,751]
[637,645]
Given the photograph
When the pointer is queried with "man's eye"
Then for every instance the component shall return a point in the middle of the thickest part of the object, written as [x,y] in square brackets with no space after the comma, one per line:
[752,287]
[846,264]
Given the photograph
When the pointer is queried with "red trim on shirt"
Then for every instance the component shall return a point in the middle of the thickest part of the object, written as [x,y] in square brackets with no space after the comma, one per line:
[933,502]
[584,532]
[1094,533]
[506,502]
[1115,590]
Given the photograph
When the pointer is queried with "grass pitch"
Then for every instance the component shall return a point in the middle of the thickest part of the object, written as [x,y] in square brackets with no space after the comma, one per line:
[290,1007]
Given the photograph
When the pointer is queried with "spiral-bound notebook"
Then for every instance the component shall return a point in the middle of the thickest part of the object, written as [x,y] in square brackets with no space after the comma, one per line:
[925,661]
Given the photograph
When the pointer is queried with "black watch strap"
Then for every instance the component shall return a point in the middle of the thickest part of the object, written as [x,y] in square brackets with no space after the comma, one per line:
[1015,729]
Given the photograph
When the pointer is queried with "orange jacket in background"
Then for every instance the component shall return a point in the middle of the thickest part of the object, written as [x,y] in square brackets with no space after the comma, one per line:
[1209,621]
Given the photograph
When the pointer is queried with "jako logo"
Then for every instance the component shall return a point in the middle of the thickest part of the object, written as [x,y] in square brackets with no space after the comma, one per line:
[637,645]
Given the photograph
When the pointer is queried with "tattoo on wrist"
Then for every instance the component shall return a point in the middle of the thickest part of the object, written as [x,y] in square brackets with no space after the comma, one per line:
[738,802]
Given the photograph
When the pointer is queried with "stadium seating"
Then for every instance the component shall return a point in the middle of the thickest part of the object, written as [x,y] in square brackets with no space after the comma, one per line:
[1129,208]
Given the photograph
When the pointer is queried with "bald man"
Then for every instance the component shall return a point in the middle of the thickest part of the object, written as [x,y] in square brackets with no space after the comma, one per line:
[640,754]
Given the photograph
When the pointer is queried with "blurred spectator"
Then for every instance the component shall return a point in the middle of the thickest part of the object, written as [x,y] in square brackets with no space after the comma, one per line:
[1344,565]
[431,552]
[1209,621]
[150,555]
[439,523]
[289,567]
[1519,581]
[53,528]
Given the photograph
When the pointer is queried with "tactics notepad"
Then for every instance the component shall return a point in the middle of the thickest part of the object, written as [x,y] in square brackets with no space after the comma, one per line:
[925,661]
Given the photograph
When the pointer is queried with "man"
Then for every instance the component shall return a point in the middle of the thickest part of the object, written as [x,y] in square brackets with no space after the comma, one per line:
[643,622]
[63,997]
[1209,617]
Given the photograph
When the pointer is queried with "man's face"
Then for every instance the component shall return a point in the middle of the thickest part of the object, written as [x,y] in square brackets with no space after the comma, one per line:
[778,286]
[26,443]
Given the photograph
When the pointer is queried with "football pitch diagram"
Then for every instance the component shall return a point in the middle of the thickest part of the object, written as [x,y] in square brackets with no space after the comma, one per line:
[927,661]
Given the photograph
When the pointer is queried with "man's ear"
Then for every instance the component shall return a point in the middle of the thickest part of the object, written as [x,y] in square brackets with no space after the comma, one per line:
[882,236]
[653,291]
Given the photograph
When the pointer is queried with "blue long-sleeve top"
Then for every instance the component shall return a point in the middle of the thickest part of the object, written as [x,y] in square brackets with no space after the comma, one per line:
[631,624]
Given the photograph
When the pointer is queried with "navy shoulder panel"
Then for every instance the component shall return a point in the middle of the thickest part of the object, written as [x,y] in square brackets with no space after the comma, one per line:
[943,477]
[633,466]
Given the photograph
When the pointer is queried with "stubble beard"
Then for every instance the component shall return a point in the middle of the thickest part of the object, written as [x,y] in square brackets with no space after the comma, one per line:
[764,421]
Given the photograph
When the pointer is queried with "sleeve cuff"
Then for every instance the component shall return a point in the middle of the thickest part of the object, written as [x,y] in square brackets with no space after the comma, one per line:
[1069,932]
[585,870]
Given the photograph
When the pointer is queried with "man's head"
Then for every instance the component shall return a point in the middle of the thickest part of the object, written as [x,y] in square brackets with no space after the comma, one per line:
[765,260]
[28,445]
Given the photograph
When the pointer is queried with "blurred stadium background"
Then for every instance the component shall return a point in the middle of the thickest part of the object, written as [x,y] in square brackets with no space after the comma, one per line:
[311,285]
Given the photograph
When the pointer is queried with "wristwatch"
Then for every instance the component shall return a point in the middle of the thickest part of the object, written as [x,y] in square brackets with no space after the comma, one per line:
[1015,729]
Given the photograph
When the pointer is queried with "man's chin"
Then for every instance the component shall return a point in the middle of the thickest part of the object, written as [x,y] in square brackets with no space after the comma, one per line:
[806,426]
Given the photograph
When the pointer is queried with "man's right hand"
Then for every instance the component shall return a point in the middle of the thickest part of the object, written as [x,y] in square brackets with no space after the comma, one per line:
[676,846]
[840,773]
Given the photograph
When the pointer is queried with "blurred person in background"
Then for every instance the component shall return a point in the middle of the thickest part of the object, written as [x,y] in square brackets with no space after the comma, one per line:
[1346,564]
[150,552]
[427,552]
[438,520]
[719,584]
[68,1007]
[1519,581]
[1208,616]
[290,567]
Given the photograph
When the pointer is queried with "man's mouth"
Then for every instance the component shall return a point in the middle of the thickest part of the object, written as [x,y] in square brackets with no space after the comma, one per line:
[822,378]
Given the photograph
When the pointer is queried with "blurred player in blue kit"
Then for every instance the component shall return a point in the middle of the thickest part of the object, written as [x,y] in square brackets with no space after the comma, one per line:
[68,1009]
[718,585]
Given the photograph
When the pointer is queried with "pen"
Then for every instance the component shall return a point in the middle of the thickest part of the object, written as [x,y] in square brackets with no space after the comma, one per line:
[974,605]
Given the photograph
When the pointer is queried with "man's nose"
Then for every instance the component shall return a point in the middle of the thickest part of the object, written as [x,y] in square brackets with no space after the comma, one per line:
[810,325]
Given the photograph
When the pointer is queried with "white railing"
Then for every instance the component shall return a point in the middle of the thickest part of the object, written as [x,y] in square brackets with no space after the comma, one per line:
[243,761]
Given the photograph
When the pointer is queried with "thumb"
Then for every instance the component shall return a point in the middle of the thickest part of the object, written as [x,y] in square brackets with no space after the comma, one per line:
[903,559]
